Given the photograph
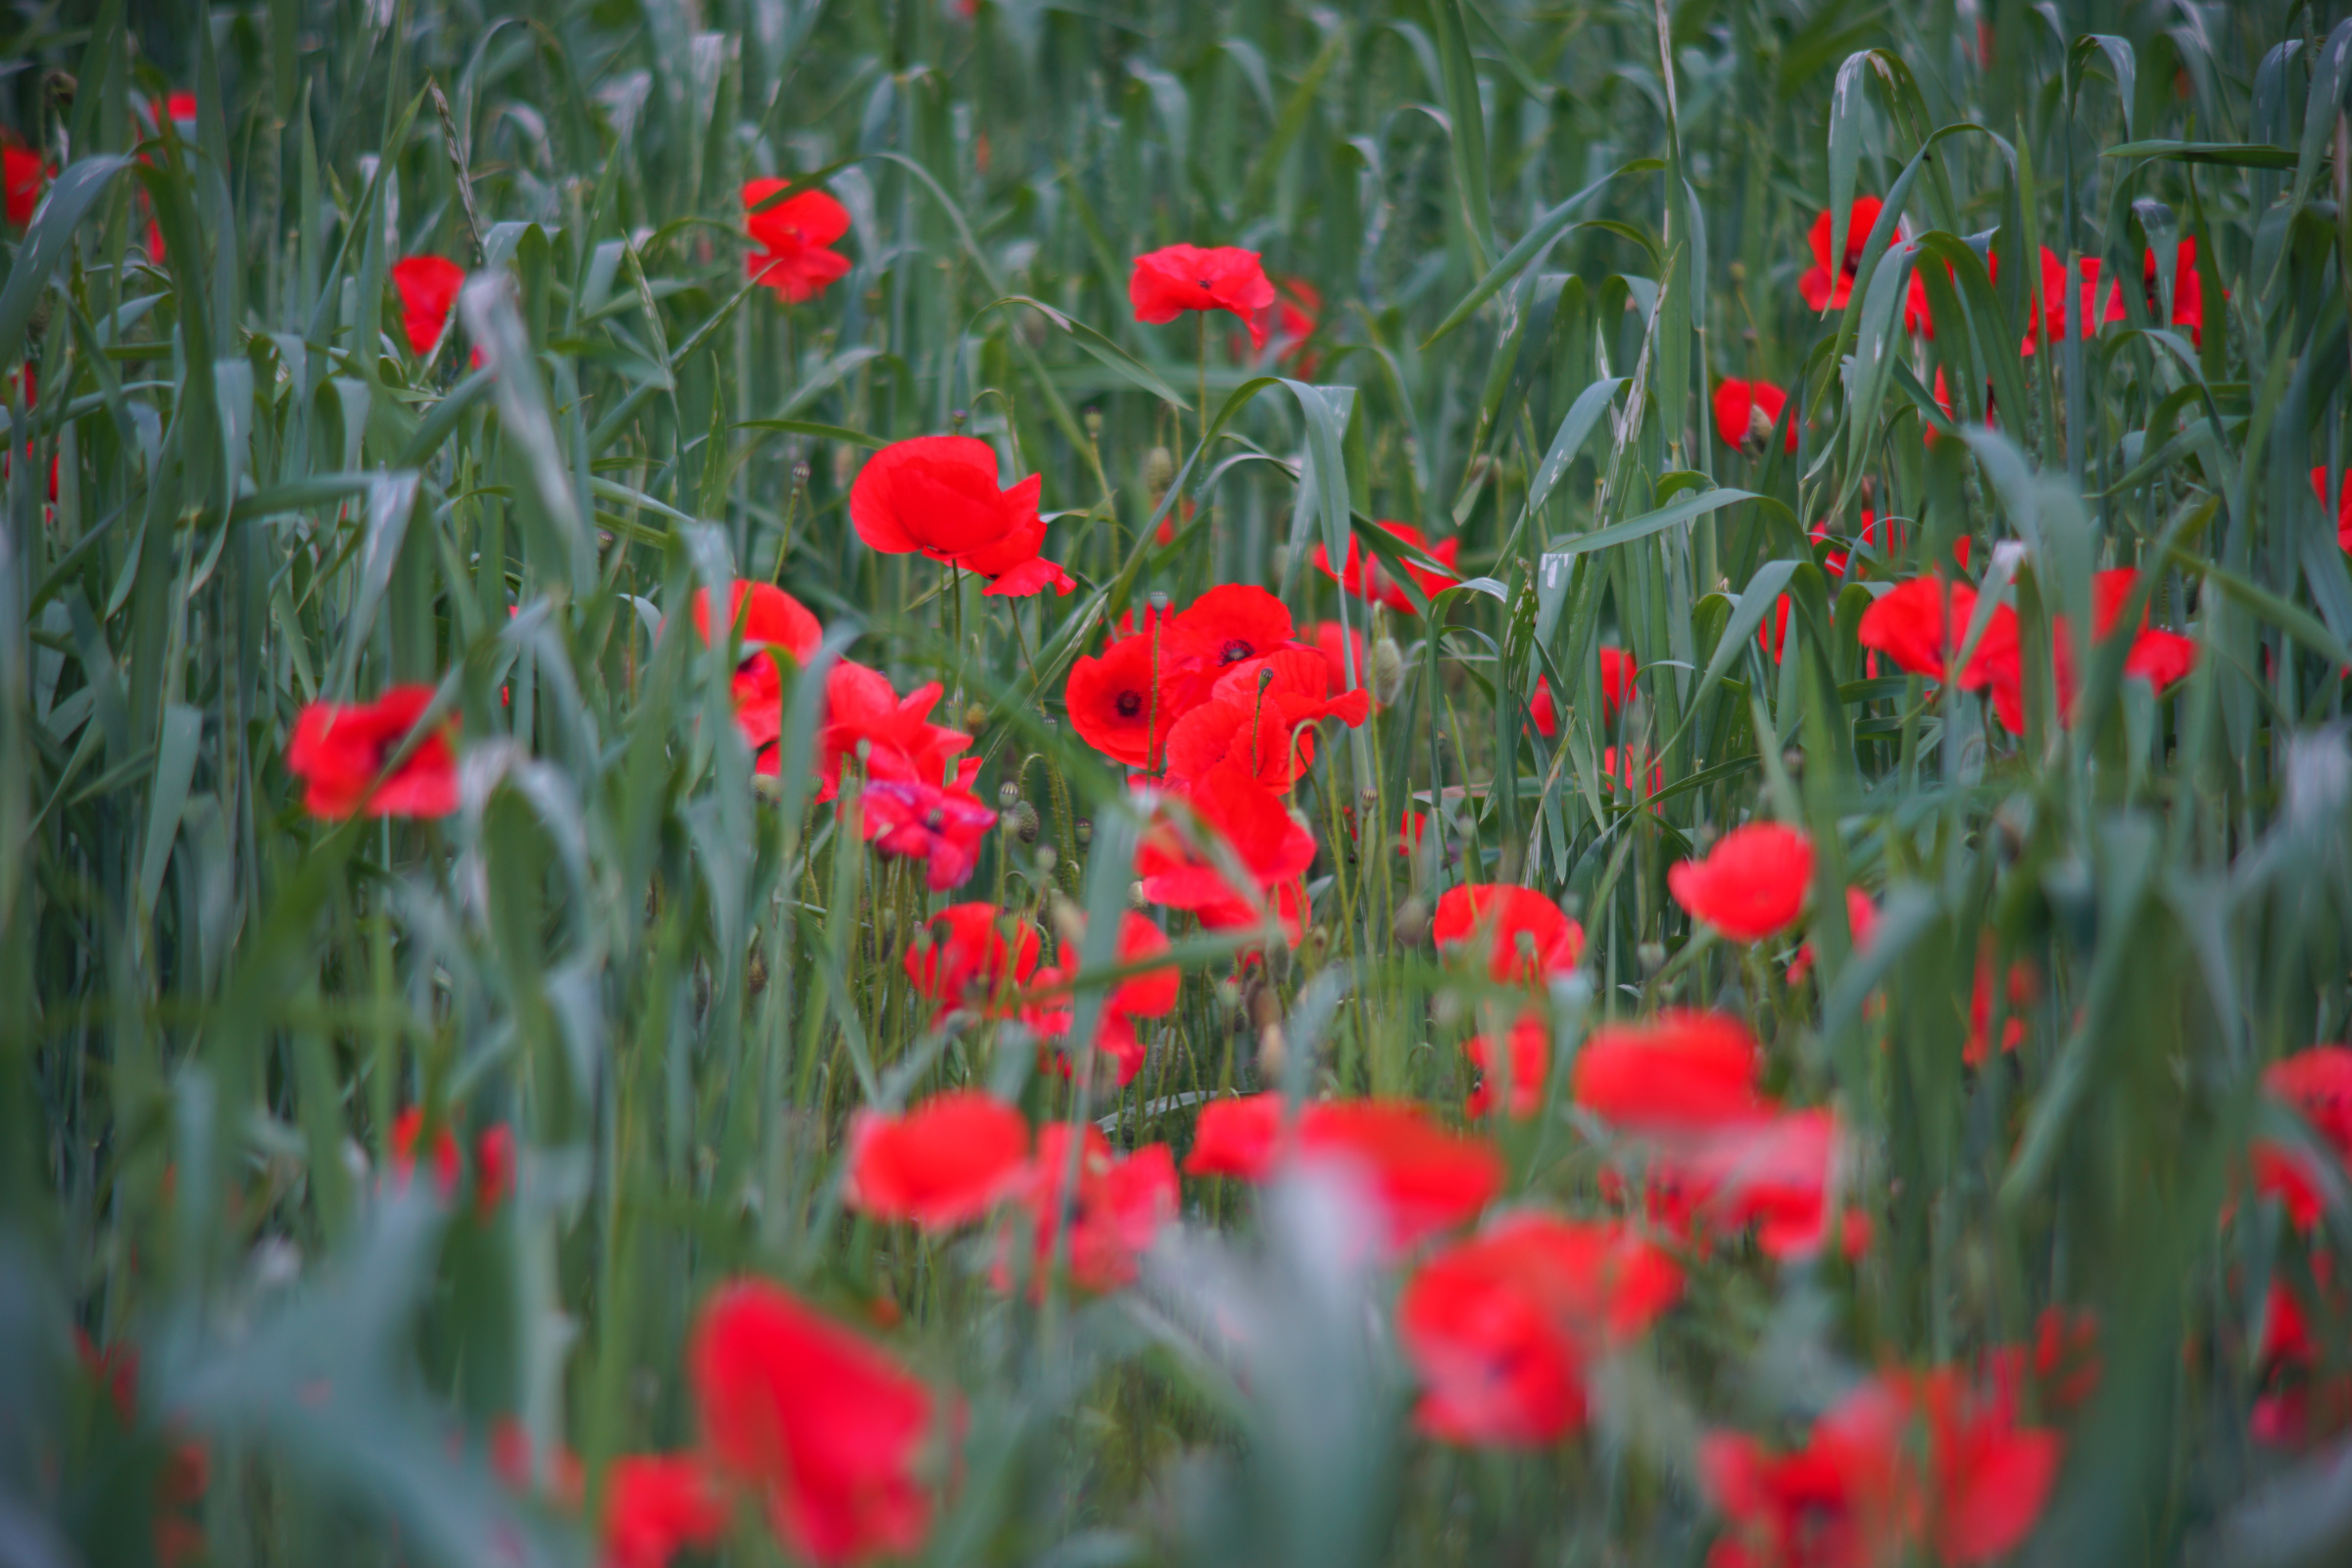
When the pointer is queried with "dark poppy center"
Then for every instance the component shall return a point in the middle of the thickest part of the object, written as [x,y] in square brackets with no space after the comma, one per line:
[1205,287]
[1234,652]
[1129,704]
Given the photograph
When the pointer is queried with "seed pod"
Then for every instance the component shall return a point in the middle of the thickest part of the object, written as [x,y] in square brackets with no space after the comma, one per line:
[1159,472]
[1388,671]
[1086,832]
[1008,795]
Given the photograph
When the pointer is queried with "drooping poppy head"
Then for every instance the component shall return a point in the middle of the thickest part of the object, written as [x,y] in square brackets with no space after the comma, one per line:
[1169,281]
[821,1424]
[339,752]
[1686,1072]
[427,287]
[1919,623]
[944,1163]
[1752,883]
[655,1506]
[1526,937]
[1745,413]
[793,238]
[1362,574]
[1120,701]
[973,955]
[23,176]
[1525,1054]
[1825,288]
[937,496]
[1499,1328]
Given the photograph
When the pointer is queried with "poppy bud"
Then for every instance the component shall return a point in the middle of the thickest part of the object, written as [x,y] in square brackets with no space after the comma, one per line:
[1447,1008]
[1652,956]
[1086,832]
[1738,272]
[1008,795]
[1009,822]
[1411,926]
[1388,671]
[1025,821]
[975,716]
[957,418]
[1046,861]
[1229,997]
[1135,895]
[1159,472]
[60,86]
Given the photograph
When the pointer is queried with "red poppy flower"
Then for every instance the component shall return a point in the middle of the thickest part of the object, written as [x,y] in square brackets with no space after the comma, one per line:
[1528,1049]
[1288,322]
[655,1505]
[1745,413]
[1117,1209]
[823,1425]
[1919,622]
[181,108]
[1526,937]
[937,496]
[1168,282]
[1752,884]
[1150,993]
[1257,739]
[973,955]
[493,1167]
[1499,1328]
[406,1128]
[793,238]
[1272,846]
[2158,657]
[1421,1178]
[2024,987]
[942,826]
[2343,510]
[2188,293]
[1861,918]
[1686,1072]
[862,707]
[944,1163]
[2316,1084]
[1240,1137]
[427,287]
[1367,579]
[24,174]
[1617,672]
[1230,624]
[1822,292]
[340,751]
[1327,637]
[769,621]
[1774,1175]
[1297,678]
[1119,702]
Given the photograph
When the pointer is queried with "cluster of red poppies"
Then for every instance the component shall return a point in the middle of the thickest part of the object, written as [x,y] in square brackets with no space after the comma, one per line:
[977,960]
[2305,1401]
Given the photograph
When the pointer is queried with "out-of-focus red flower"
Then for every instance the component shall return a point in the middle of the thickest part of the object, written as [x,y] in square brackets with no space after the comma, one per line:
[1776,1175]
[771,622]
[944,1163]
[1289,321]
[973,955]
[1823,290]
[493,1167]
[2188,293]
[1919,623]
[2316,1084]
[793,238]
[511,1461]
[1524,935]
[655,1504]
[1686,1072]
[1363,575]
[941,825]
[1150,993]
[1752,884]
[1238,1137]
[1328,641]
[937,496]
[1861,918]
[862,706]
[407,1127]
[340,751]
[2158,657]
[2343,508]
[1904,1464]
[1272,846]
[1169,281]
[2300,1401]
[181,108]
[23,176]
[1745,413]
[1617,673]
[823,1426]
[1527,1048]
[1499,1328]
[1116,1209]
[427,287]
[2024,989]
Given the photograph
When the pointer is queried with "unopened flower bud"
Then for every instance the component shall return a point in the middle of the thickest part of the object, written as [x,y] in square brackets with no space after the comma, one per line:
[1411,926]
[1651,956]
[1086,831]
[1093,424]
[1024,817]
[1046,861]
[975,716]
[1388,671]
[1159,472]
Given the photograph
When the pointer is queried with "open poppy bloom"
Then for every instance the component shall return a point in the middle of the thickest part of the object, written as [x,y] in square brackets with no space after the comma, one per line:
[1363,576]
[944,1163]
[767,621]
[656,1505]
[23,176]
[1919,623]
[941,825]
[1119,704]
[793,238]
[1117,1208]
[1151,994]
[406,1128]
[1231,625]
[1272,846]
[1745,413]
[1525,937]
[1752,884]
[2158,657]
[862,707]
[2024,987]
[822,1426]
[973,955]
[1239,1136]
[1776,1176]
[1823,290]
[339,752]
[1617,672]
[1289,321]
[2316,1084]
[1527,1052]
[1906,1462]
[937,496]
[1499,1328]
[427,287]
[1688,1072]
[2188,293]
[1169,281]
[2343,508]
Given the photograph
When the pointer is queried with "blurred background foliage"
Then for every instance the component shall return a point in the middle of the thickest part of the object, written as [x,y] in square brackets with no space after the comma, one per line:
[674,984]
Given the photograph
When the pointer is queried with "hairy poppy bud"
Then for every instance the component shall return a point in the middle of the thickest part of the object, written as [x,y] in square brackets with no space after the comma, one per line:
[1159,472]
[975,716]
[1387,671]
[1086,831]
[1046,861]
[1411,926]
[1025,823]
